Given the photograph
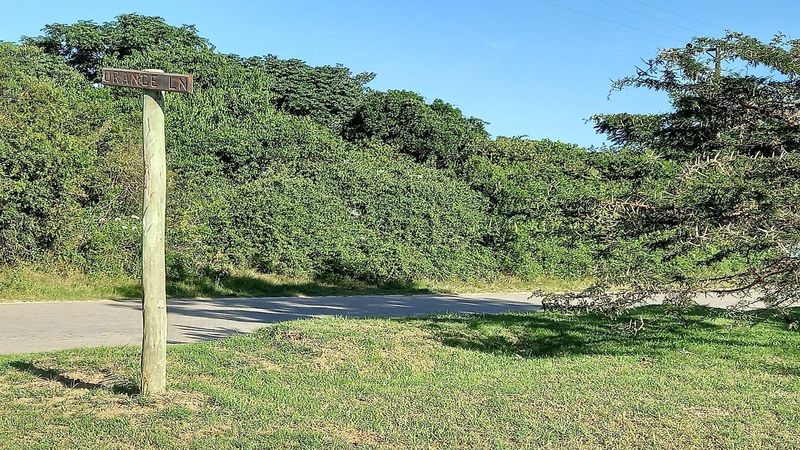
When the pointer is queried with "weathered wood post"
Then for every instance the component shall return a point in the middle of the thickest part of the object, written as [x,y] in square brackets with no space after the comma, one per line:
[154,293]
[154,296]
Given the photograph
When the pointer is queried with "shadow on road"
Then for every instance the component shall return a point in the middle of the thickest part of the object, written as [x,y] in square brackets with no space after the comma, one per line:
[277,309]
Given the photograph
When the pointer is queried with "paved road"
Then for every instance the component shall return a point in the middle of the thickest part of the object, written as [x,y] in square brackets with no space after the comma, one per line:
[34,327]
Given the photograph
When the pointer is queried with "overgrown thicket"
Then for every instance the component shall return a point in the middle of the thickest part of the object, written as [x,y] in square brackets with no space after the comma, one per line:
[281,167]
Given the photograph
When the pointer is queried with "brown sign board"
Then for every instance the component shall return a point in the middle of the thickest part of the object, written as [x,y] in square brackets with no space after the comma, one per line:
[154,81]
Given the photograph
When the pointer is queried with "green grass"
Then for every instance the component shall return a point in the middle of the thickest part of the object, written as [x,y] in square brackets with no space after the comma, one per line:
[30,284]
[503,381]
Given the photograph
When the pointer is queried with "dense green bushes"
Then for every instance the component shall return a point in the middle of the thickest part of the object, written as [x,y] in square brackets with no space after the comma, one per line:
[437,133]
[59,141]
[281,167]
[329,95]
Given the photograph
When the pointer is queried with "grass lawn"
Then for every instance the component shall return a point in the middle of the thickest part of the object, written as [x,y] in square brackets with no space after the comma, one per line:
[502,381]
[31,284]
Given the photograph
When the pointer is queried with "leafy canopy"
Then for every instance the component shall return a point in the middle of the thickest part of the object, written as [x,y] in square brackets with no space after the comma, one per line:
[732,204]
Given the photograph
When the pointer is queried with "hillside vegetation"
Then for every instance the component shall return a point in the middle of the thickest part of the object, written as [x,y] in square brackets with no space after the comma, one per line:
[278,167]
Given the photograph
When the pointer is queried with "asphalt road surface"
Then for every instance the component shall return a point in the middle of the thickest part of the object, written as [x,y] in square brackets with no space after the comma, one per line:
[43,326]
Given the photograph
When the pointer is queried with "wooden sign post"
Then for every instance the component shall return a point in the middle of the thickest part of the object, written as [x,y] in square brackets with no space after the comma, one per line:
[154,295]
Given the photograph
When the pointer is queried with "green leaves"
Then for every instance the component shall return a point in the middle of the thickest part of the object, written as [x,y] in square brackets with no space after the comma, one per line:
[53,135]
[750,107]
[284,167]
[724,215]
[437,134]
[84,45]
[259,175]
[329,95]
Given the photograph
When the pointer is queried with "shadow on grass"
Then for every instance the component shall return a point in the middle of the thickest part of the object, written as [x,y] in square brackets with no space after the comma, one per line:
[110,382]
[543,334]
[189,333]
[266,286]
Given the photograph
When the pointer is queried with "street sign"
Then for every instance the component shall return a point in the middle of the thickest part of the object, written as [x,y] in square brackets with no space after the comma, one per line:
[154,81]
[154,292]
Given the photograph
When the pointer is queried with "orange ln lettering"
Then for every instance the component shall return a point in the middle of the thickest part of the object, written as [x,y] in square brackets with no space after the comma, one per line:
[153,81]
[116,77]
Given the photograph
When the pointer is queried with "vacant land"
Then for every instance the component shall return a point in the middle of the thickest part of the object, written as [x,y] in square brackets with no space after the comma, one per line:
[503,381]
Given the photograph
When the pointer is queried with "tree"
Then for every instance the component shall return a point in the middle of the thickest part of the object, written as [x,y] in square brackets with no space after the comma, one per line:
[58,139]
[329,95]
[732,206]
[85,44]
[437,133]
[259,176]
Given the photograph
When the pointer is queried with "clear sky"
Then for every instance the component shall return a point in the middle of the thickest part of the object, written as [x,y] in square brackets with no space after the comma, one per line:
[529,67]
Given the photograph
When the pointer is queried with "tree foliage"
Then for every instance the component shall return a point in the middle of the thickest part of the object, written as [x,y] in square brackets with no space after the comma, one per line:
[730,208]
[259,175]
[278,166]
[435,133]
[58,142]
[329,95]
[85,44]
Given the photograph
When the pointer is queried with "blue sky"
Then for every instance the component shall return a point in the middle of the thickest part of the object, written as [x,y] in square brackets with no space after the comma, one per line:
[529,67]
